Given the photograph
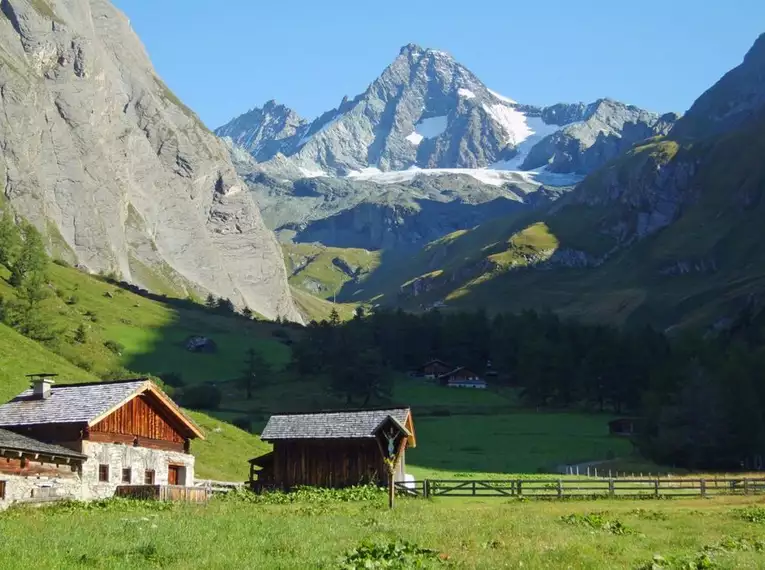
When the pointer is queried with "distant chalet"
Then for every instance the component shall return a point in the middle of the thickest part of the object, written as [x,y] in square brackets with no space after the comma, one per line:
[450,376]
[84,441]
[333,449]
[433,369]
[462,378]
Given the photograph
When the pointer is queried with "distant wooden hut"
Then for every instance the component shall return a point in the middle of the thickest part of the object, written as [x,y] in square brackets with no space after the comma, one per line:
[433,369]
[462,378]
[333,449]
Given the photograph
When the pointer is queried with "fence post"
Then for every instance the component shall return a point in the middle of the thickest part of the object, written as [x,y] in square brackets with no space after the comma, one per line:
[703,485]
[656,488]
[560,488]
[746,486]
[426,488]
[519,485]
[611,487]
[474,488]
[596,472]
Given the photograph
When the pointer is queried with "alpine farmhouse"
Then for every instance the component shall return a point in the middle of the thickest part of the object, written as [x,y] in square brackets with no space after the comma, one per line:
[87,441]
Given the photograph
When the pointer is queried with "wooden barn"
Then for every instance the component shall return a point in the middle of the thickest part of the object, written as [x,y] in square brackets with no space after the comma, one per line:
[333,449]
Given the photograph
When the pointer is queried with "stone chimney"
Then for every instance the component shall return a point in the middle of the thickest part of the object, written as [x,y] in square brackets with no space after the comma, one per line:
[41,384]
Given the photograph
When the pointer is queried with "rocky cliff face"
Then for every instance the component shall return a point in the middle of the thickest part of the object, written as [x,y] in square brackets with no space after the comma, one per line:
[115,170]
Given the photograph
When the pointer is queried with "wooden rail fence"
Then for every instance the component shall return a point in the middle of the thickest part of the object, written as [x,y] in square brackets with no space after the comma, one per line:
[164,493]
[583,488]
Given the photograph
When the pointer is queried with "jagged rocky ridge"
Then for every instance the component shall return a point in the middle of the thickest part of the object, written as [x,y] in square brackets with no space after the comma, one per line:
[428,111]
[393,161]
[115,170]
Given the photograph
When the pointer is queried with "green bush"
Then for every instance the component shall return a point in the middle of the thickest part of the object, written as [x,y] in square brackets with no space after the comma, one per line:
[751,514]
[172,379]
[597,521]
[309,495]
[399,555]
[81,334]
[202,397]
[114,346]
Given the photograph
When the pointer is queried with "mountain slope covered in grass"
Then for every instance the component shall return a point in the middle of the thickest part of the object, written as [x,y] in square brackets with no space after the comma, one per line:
[669,234]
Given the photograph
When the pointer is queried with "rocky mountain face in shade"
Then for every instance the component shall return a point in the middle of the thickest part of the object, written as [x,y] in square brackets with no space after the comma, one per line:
[117,173]
[607,130]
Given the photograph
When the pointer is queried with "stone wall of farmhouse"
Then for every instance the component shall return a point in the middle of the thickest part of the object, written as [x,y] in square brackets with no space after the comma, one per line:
[58,482]
[51,483]
[138,460]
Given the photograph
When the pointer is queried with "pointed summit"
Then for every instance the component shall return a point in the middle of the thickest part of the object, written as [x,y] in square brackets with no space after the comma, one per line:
[411,48]
[737,98]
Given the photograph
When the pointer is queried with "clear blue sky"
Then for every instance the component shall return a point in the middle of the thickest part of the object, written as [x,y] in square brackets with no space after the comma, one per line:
[224,57]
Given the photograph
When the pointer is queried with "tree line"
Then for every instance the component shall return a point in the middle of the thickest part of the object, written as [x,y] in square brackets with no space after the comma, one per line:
[699,400]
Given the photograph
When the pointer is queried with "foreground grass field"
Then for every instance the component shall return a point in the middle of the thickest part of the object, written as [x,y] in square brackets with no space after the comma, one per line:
[494,533]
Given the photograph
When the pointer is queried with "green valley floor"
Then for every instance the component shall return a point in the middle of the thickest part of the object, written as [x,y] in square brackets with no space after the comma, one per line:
[482,534]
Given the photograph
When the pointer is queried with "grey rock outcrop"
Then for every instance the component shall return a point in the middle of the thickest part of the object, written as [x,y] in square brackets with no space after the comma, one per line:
[115,170]
[607,130]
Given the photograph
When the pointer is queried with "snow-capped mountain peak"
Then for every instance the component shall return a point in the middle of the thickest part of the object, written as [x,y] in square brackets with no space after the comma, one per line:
[424,111]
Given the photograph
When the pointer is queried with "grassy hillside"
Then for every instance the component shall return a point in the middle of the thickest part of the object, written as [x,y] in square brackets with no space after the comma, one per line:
[149,334]
[317,309]
[22,356]
[324,271]
[702,267]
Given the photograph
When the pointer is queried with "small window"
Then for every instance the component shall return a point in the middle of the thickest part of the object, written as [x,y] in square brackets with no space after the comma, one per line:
[2,489]
[126,475]
[148,478]
[103,473]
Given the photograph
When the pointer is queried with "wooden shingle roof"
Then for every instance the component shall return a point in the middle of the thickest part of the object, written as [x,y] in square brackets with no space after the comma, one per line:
[86,403]
[361,424]
[10,441]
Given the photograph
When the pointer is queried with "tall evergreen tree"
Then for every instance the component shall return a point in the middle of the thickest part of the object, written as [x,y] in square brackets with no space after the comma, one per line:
[255,372]
[32,258]
[10,239]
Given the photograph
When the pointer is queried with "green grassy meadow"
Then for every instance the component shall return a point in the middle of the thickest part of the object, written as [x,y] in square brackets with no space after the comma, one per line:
[470,534]
[493,446]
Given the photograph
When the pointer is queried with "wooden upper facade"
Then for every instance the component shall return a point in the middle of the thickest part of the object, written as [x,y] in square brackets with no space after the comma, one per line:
[134,412]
